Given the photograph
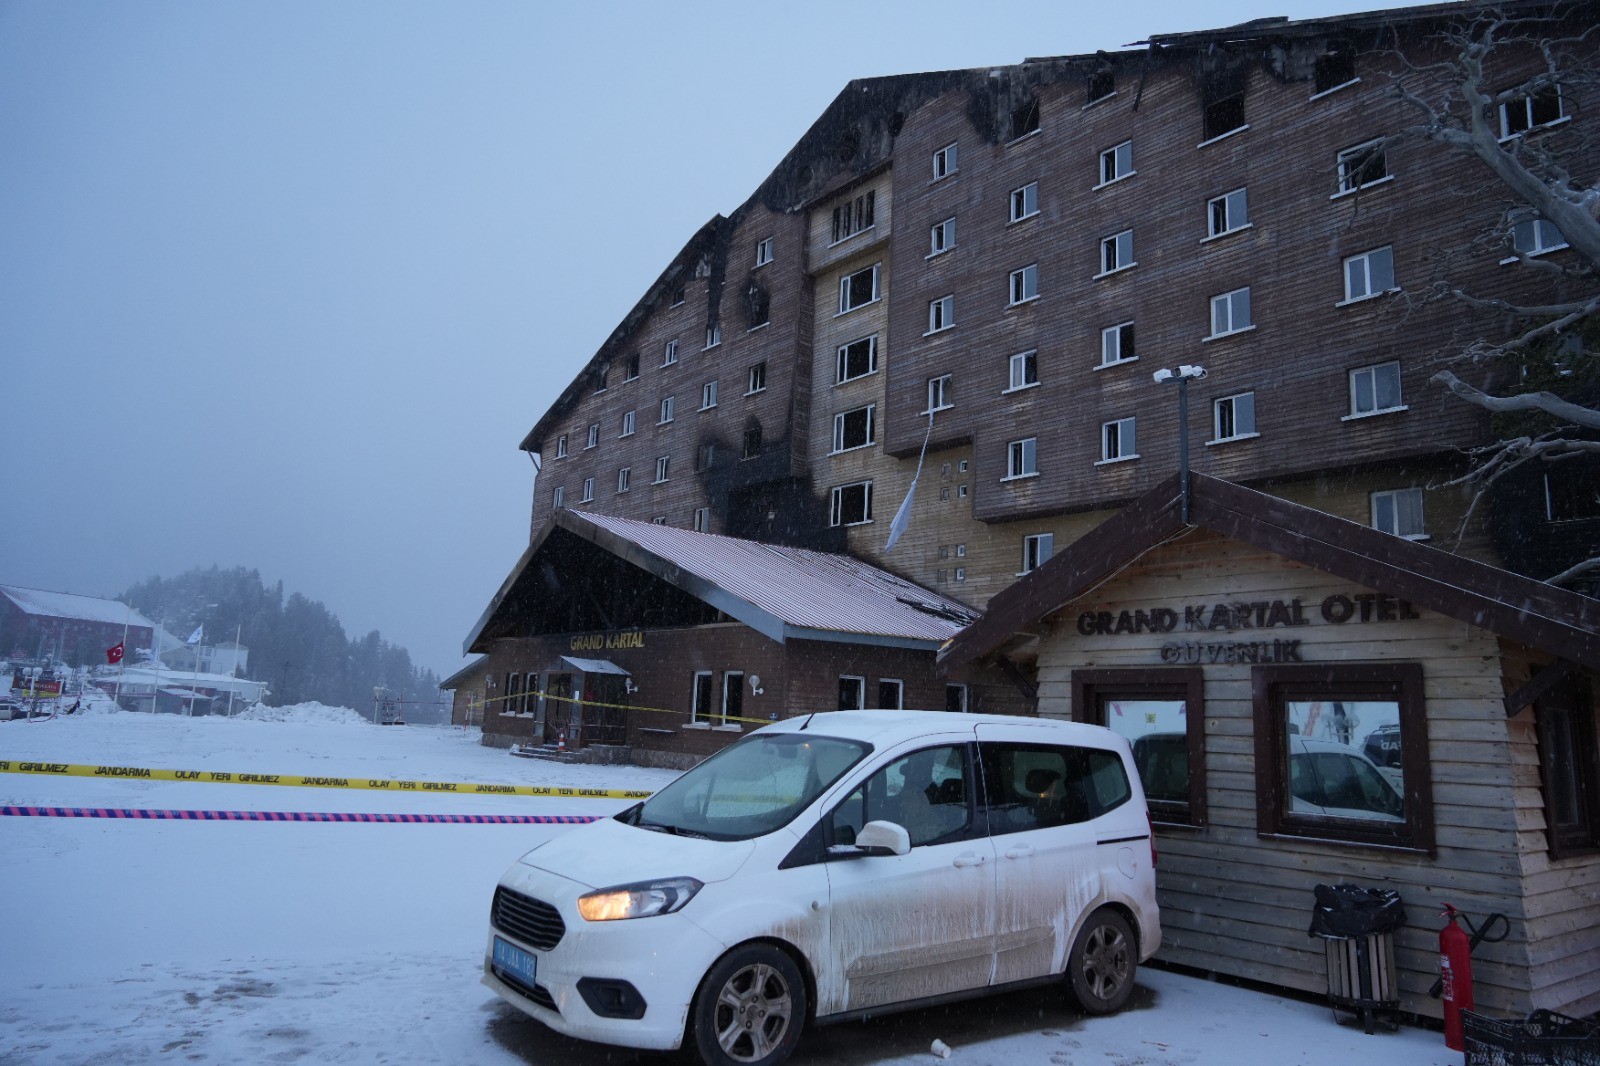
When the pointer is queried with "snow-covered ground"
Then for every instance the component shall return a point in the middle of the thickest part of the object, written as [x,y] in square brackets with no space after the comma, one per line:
[245,942]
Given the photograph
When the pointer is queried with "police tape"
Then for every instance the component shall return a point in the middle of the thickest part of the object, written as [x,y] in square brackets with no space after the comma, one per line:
[62,769]
[296,816]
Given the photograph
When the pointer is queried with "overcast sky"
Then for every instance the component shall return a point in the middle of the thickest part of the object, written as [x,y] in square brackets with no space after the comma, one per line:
[283,285]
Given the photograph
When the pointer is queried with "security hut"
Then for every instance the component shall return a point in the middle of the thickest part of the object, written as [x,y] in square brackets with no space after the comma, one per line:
[666,644]
[1310,700]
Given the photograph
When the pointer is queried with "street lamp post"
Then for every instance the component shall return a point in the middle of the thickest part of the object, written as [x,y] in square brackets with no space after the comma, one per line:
[1183,375]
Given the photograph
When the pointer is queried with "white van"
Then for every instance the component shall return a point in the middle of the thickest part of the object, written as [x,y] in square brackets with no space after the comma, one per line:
[832,867]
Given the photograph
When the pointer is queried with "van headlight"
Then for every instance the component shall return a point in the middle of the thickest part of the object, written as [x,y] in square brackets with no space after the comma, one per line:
[643,899]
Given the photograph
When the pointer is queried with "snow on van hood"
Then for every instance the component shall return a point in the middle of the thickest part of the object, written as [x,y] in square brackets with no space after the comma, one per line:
[606,853]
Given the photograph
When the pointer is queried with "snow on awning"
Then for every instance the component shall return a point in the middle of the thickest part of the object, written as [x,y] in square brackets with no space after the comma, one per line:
[594,666]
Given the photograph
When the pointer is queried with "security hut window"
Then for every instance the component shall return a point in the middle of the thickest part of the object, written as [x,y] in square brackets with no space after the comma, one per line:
[1399,512]
[852,504]
[852,693]
[1342,753]
[854,429]
[1363,165]
[1569,777]
[852,216]
[700,707]
[856,359]
[1543,108]
[858,289]
[1161,712]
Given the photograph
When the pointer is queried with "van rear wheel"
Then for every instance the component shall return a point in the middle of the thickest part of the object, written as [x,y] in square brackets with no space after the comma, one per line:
[1103,961]
[750,1008]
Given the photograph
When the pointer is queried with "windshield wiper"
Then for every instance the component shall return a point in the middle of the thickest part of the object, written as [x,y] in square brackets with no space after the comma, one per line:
[658,827]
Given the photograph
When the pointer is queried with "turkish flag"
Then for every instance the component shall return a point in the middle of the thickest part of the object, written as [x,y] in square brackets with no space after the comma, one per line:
[114,653]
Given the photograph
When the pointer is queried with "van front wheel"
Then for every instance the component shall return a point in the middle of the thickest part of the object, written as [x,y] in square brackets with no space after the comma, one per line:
[750,1008]
[1102,963]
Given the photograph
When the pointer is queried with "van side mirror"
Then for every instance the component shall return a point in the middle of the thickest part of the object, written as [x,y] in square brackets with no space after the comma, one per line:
[875,838]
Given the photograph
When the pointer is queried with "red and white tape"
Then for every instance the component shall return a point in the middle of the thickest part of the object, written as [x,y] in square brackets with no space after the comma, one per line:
[295,816]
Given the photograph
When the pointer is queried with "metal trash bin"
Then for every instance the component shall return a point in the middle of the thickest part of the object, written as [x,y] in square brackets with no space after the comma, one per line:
[1357,927]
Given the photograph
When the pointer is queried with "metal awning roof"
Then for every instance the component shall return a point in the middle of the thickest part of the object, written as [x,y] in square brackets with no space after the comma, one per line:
[594,666]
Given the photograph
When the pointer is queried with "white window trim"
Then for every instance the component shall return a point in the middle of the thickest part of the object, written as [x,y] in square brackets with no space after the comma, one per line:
[1011,285]
[1386,179]
[765,244]
[1101,160]
[624,484]
[857,233]
[629,426]
[837,381]
[1010,362]
[669,409]
[877,289]
[1369,296]
[1519,256]
[659,480]
[1562,121]
[948,248]
[1118,270]
[707,406]
[1118,459]
[714,335]
[1097,100]
[1012,220]
[1230,440]
[1113,181]
[588,490]
[1228,232]
[833,494]
[872,429]
[1236,436]
[1372,506]
[1375,414]
[1022,137]
[949,171]
[1223,136]
[1230,333]
[695,722]
[1333,89]
[948,325]
[1119,362]
[1034,537]
[1028,474]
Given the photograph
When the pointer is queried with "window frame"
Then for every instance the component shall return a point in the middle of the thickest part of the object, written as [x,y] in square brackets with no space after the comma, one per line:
[861,692]
[669,356]
[1394,496]
[854,216]
[561,446]
[1125,452]
[941,237]
[1576,752]
[592,440]
[841,424]
[701,522]
[1536,227]
[1212,114]
[943,384]
[631,370]
[1233,402]
[1116,332]
[1028,361]
[763,251]
[669,406]
[842,361]
[1250,322]
[713,336]
[1091,686]
[710,678]
[941,314]
[1024,202]
[845,287]
[630,423]
[1365,260]
[899,687]
[708,395]
[558,497]
[1528,102]
[957,688]
[756,378]
[1353,162]
[732,707]
[1114,156]
[1037,549]
[1112,248]
[663,469]
[1372,369]
[1022,459]
[624,479]
[945,161]
[836,515]
[1226,202]
[588,490]
[1401,682]
[1024,285]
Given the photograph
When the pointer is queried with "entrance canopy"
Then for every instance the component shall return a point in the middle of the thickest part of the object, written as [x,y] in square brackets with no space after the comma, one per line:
[594,666]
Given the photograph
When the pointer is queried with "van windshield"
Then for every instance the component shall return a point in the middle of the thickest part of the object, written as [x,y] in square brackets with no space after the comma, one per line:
[749,788]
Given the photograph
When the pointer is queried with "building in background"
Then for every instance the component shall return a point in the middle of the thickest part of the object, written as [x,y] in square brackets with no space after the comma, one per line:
[74,629]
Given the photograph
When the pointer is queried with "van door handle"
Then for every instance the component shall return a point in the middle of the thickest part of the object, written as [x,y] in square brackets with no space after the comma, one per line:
[1019,852]
[968,858]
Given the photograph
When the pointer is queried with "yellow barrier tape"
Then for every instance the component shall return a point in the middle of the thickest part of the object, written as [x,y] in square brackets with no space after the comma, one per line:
[62,769]
[621,706]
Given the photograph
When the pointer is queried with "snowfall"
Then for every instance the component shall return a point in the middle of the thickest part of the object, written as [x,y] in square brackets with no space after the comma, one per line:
[250,941]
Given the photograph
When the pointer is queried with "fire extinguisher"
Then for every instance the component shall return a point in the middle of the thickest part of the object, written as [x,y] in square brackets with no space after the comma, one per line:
[1455,975]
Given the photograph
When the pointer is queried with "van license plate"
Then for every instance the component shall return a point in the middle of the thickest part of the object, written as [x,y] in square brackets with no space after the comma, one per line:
[513,960]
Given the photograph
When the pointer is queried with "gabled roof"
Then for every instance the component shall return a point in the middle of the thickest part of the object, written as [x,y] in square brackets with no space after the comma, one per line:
[463,675]
[1554,620]
[69,605]
[783,593]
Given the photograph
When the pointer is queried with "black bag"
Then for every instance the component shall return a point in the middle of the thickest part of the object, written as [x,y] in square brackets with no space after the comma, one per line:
[1345,911]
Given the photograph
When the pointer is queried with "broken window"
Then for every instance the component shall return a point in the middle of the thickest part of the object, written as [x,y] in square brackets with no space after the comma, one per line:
[1362,165]
[1525,113]
[1025,118]
[1102,83]
[1333,69]
[853,216]
[1223,116]
[633,367]
[858,289]
[854,429]
[752,441]
[852,504]
[704,456]
[756,301]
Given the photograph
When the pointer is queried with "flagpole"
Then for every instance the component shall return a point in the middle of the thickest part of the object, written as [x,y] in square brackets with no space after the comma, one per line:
[233,670]
[195,684]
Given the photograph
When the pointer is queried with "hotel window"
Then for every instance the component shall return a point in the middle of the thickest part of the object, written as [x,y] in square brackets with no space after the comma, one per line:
[1116,253]
[593,439]
[1022,458]
[659,520]
[1334,68]
[513,694]
[941,392]
[670,356]
[1572,491]
[1161,713]
[1565,719]
[1362,165]
[1024,371]
[858,289]
[944,162]
[624,479]
[853,216]
[1116,344]
[705,456]
[955,698]
[1230,313]
[732,696]
[1222,116]
[856,359]
[757,379]
[1025,118]
[1536,236]
[852,504]
[852,693]
[1399,512]
[708,395]
[1234,417]
[1117,441]
[1543,108]
[854,429]
[632,373]
[750,448]
[1375,389]
[558,497]
[941,313]
[1116,163]
[1036,551]
[588,490]
[667,403]
[891,694]
[628,419]
[1227,213]
[1341,753]
[1025,202]
[602,380]
[702,520]
[1368,274]
[561,446]
[942,238]
[700,701]
[663,464]
[1102,83]
[713,335]
[1025,284]
[764,251]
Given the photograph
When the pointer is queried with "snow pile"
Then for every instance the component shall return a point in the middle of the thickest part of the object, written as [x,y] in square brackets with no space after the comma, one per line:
[303,714]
